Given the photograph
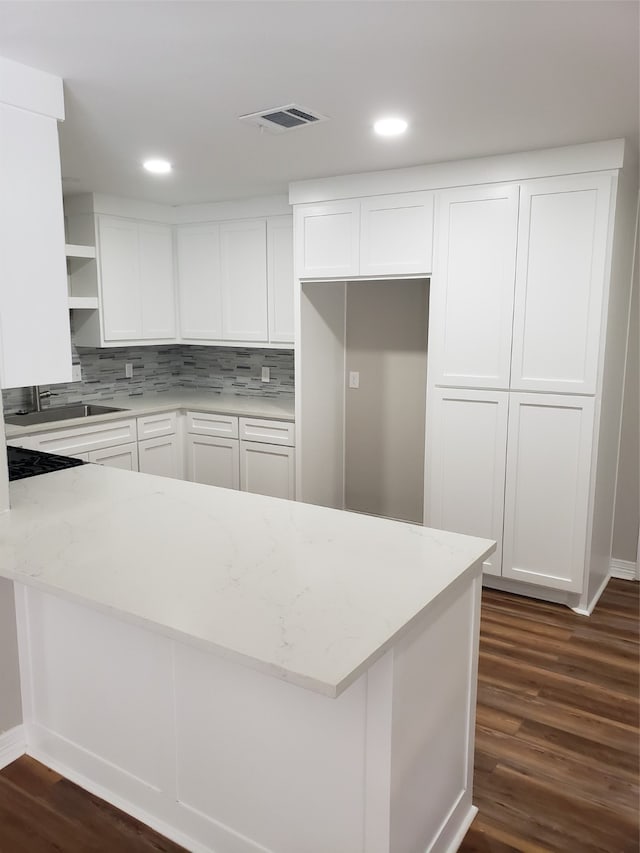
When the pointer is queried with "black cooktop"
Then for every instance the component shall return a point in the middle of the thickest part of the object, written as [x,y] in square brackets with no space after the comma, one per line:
[29,463]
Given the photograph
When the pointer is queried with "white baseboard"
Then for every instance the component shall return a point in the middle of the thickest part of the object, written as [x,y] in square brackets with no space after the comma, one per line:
[590,606]
[13,744]
[625,570]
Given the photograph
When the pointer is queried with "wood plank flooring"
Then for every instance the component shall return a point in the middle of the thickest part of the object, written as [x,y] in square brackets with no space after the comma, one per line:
[557,745]
[557,728]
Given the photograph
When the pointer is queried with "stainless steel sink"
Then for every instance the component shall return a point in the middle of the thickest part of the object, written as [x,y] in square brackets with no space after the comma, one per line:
[60,413]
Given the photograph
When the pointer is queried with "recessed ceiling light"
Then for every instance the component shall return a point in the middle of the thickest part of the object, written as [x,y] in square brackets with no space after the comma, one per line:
[158,167]
[390,126]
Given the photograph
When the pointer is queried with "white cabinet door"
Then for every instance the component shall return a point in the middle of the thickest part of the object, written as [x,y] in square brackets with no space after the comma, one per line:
[396,234]
[267,469]
[280,278]
[199,293]
[213,461]
[243,280]
[160,456]
[119,279]
[466,456]
[156,281]
[327,239]
[472,286]
[125,456]
[560,280]
[34,318]
[547,489]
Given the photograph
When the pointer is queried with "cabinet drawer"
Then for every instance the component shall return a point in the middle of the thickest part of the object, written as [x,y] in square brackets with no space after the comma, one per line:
[155,426]
[268,432]
[200,423]
[69,442]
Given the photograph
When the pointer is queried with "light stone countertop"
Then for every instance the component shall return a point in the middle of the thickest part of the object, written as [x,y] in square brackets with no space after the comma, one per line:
[201,400]
[307,594]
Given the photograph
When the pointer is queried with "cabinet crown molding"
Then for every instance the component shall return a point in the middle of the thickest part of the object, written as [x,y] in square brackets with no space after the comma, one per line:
[570,159]
[184,214]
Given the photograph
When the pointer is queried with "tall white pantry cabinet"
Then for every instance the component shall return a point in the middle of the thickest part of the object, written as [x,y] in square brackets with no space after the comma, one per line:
[529,298]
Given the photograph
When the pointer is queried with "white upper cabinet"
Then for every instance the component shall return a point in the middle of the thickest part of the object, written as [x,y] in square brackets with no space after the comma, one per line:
[243,278]
[378,236]
[327,239]
[157,290]
[35,343]
[136,280]
[120,279]
[472,286]
[560,281]
[547,489]
[199,292]
[280,278]
[465,470]
[396,234]
[232,286]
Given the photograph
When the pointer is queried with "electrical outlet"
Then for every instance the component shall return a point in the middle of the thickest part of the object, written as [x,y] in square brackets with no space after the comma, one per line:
[128,370]
[76,372]
[266,374]
[354,379]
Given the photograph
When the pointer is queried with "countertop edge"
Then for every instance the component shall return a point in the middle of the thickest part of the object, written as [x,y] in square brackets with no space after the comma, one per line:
[222,405]
[329,689]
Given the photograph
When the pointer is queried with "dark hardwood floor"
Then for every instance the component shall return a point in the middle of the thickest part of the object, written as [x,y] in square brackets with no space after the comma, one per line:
[557,745]
[557,732]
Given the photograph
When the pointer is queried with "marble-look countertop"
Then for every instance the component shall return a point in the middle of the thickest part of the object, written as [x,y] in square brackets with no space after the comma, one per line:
[305,593]
[201,400]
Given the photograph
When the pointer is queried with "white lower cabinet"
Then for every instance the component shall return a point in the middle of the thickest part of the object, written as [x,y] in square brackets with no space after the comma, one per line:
[214,461]
[125,456]
[466,464]
[267,469]
[160,456]
[212,449]
[547,489]
[262,462]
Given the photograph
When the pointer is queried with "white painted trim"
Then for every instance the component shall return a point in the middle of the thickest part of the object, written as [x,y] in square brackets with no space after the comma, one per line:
[13,744]
[568,160]
[625,570]
[30,89]
[554,596]
[243,208]
[168,830]
[588,610]
[109,205]
[462,830]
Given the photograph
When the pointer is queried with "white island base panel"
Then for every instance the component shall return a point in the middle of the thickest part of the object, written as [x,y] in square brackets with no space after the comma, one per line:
[220,757]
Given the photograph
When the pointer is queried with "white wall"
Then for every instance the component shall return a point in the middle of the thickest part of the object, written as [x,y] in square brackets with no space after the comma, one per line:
[10,704]
[627,512]
[386,337]
[320,394]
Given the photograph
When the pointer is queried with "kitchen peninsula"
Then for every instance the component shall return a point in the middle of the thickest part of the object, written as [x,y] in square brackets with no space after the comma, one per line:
[245,673]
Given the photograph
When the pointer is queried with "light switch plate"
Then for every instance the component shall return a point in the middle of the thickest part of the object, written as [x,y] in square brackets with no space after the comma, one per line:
[76,372]
[128,370]
[354,379]
[266,374]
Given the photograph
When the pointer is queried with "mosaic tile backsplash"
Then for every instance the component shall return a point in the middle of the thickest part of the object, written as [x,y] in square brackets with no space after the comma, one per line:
[160,368]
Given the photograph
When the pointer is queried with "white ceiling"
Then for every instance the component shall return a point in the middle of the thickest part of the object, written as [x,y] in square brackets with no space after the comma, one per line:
[170,79]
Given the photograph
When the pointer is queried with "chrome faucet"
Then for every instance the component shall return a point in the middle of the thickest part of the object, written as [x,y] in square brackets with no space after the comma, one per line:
[37,396]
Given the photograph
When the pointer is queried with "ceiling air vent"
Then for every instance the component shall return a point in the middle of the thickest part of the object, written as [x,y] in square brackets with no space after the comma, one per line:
[279,119]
